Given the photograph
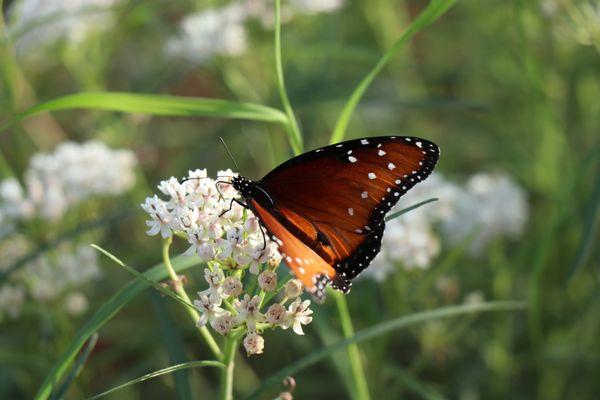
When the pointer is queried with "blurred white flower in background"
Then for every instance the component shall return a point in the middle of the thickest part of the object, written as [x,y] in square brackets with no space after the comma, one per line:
[576,22]
[210,32]
[44,22]
[221,31]
[51,275]
[64,178]
[488,206]
[318,6]
[56,182]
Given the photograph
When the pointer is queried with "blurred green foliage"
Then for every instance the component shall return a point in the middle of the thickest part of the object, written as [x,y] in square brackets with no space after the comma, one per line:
[510,85]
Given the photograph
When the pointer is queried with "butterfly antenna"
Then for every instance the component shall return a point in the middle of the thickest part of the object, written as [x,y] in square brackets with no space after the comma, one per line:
[230,155]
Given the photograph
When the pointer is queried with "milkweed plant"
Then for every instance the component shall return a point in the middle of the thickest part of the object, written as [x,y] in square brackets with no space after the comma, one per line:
[245,290]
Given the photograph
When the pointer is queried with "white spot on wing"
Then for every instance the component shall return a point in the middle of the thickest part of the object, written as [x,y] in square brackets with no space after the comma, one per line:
[302,270]
[391,166]
[288,259]
[381,153]
[372,176]
[351,211]
[352,159]
[419,144]
[364,141]
[364,195]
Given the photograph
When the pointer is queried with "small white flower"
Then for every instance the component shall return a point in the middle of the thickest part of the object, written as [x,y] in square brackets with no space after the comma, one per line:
[254,343]
[293,288]
[248,312]
[298,314]
[267,281]
[161,220]
[215,280]
[209,310]
[232,286]
[276,314]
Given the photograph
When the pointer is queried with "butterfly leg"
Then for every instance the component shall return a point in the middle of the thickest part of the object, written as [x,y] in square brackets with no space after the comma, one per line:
[231,206]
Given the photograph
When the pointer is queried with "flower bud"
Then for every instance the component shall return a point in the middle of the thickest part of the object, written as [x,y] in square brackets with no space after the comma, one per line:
[276,314]
[223,324]
[267,281]
[293,288]
[254,343]
[232,286]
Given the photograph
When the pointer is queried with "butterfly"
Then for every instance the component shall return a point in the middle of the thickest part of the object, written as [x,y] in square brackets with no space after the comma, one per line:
[326,208]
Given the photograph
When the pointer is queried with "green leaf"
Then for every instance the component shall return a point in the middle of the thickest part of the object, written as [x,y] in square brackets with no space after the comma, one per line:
[410,208]
[103,315]
[141,276]
[168,370]
[77,368]
[156,105]
[383,328]
[170,331]
[434,10]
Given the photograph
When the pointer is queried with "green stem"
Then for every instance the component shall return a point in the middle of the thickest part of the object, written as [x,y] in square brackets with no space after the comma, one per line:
[358,372]
[178,286]
[226,389]
[292,125]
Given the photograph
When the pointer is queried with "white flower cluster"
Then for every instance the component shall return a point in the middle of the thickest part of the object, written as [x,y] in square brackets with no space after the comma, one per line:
[244,310]
[230,240]
[217,228]
[44,22]
[62,179]
[49,278]
[488,206]
[221,31]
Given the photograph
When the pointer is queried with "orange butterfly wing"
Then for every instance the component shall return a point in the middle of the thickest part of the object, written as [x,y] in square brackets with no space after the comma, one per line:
[330,203]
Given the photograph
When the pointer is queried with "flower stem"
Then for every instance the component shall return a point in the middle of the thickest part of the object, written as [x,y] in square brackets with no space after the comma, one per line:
[178,286]
[226,389]
[358,372]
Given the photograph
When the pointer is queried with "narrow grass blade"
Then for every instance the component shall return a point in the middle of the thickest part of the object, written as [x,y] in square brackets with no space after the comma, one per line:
[407,209]
[434,10]
[103,315]
[141,276]
[591,227]
[295,137]
[168,370]
[164,105]
[415,385]
[383,328]
[170,332]
[77,368]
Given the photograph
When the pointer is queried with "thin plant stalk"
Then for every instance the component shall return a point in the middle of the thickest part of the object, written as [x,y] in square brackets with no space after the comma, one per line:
[292,125]
[356,366]
[178,286]
[226,388]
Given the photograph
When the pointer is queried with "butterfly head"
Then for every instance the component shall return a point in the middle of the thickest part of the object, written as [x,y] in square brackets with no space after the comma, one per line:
[251,190]
[244,186]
